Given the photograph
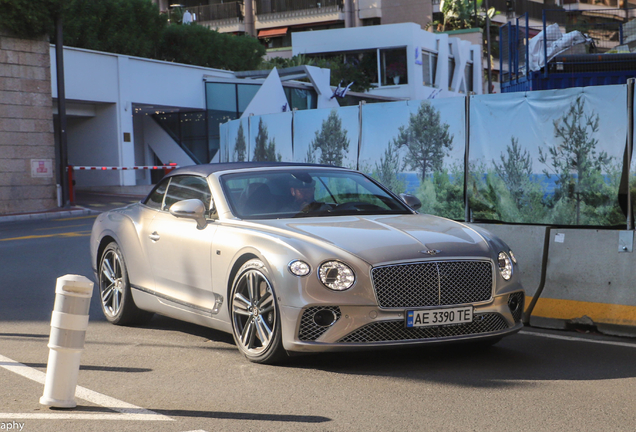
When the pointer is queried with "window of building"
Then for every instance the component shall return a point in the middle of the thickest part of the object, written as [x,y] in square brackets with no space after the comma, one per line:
[188,129]
[429,67]
[451,71]
[279,42]
[371,21]
[393,68]
[383,67]
[301,99]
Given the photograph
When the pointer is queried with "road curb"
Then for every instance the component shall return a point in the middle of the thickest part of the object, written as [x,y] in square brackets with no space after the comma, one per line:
[78,211]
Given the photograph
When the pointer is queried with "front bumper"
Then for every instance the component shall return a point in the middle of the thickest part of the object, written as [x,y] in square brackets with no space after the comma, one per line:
[358,327]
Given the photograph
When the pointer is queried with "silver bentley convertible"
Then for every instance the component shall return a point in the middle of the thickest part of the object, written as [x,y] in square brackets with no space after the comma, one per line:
[294,258]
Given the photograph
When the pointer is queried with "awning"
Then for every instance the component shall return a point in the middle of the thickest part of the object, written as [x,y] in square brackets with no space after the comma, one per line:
[281,31]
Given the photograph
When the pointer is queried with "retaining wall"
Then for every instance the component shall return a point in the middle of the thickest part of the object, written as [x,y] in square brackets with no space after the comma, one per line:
[27,146]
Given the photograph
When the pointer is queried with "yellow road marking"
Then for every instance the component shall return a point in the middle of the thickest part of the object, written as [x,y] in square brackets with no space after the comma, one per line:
[69,234]
[76,218]
[599,312]
[59,227]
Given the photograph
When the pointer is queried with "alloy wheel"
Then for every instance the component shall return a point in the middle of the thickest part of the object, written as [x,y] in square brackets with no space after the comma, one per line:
[111,283]
[253,312]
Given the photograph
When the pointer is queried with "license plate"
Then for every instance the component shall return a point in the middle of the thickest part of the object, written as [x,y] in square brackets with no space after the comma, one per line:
[437,317]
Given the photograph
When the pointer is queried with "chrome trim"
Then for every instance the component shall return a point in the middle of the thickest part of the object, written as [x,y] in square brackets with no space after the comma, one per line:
[211,312]
[439,288]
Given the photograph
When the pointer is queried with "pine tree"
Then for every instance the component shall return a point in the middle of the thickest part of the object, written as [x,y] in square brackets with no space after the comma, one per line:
[426,139]
[386,172]
[331,140]
[515,170]
[574,160]
[265,151]
[239,146]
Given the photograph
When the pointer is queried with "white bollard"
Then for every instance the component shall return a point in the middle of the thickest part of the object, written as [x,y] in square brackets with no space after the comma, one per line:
[69,322]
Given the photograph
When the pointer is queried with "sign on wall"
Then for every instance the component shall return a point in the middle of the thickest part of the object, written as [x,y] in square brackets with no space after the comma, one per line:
[42,168]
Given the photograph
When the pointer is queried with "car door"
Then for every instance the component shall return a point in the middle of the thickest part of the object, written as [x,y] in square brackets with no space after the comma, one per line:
[180,254]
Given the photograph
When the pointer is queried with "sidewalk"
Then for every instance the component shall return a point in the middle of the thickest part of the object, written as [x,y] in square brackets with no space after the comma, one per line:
[86,203]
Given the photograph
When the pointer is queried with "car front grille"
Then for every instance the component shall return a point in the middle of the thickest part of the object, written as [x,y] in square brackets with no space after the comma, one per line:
[436,283]
[394,331]
[309,330]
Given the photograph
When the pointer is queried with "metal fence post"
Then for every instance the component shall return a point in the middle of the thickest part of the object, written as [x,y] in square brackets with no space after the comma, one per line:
[630,142]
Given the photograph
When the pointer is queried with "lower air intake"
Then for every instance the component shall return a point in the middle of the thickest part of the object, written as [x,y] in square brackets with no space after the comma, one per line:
[394,331]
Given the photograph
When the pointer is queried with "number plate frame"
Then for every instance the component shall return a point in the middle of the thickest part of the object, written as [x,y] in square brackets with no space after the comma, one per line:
[439,317]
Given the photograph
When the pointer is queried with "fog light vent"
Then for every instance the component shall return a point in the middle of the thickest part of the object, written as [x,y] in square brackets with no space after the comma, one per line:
[516,303]
[316,320]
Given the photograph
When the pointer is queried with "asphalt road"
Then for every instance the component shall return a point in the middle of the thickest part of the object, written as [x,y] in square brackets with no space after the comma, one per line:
[172,376]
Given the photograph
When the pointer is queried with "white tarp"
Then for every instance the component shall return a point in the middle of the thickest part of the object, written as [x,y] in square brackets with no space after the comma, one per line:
[557,43]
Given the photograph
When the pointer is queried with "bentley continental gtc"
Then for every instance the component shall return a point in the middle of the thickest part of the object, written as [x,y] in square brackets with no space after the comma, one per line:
[300,258]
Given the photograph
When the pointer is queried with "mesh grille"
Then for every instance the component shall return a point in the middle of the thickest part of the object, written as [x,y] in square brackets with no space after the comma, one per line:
[520,297]
[309,330]
[432,284]
[391,331]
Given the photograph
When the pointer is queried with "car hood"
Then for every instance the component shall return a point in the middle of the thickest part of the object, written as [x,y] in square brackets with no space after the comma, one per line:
[378,239]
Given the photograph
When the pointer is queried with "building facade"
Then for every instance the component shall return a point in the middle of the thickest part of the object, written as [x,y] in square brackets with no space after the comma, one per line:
[275,21]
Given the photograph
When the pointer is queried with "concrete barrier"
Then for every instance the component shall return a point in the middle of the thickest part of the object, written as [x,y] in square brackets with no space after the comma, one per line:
[590,280]
[575,277]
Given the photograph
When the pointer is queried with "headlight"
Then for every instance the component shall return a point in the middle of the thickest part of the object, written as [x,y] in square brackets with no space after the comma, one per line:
[299,268]
[336,275]
[505,265]
[512,257]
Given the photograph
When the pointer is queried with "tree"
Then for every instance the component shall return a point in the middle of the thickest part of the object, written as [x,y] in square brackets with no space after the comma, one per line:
[426,139]
[130,27]
[442,193]
[198,45]
[515,170]
[29,18]
[310,157]
[265,151]
[331,140]
[574,160]
[386,172]
[239,145]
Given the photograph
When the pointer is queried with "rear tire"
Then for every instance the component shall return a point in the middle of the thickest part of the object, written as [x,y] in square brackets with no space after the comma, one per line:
[114,290]
[255,318]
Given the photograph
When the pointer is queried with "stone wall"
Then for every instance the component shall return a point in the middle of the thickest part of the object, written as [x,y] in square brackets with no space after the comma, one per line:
[27,146]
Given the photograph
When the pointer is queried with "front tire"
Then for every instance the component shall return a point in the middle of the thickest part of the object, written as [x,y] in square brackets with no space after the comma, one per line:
[114,290]
[255,317]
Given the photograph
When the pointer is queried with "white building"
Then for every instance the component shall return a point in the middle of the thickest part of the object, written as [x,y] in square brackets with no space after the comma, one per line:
[426,64]
[127,111]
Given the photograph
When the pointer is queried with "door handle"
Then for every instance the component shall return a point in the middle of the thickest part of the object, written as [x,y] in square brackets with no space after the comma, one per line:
[154,236]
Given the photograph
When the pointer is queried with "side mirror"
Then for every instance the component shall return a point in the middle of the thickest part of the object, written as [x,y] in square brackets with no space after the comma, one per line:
[190,209]
[411,201]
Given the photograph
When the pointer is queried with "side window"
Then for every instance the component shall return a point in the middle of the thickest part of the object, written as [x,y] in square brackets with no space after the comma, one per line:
[188,187]
[155,199]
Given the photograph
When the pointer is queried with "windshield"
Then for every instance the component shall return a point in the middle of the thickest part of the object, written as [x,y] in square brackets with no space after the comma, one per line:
[301,192]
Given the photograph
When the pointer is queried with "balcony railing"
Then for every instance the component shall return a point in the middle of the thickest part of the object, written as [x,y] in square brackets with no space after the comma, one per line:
[274,6]
[520,7]
[215,12]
